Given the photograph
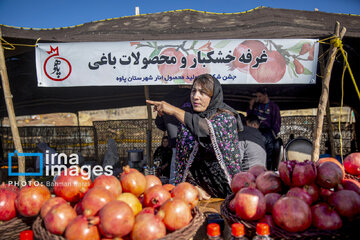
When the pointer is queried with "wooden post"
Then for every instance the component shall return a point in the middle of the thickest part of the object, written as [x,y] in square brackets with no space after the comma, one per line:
[148,130]
[11,114]
[325,95]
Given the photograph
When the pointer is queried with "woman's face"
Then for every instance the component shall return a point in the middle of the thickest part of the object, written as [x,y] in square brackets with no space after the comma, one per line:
[199,99]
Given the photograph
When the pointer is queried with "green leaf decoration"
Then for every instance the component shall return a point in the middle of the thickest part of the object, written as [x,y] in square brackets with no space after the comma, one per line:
[194,43]
[289,66]
[297,47]
[222,44]
[154,53]
[307,71]
[292,67]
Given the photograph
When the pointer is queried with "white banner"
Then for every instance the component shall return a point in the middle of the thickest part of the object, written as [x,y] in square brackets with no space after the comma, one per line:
[232,61]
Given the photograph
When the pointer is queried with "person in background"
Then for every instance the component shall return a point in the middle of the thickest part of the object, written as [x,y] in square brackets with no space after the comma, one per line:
[267,110]
[252,147]
[164,153]
[207,150]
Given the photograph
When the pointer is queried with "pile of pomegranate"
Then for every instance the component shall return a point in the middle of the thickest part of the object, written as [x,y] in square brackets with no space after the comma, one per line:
[301,195]
[132,206]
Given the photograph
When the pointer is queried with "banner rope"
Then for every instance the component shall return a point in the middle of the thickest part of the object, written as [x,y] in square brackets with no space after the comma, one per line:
[12,45]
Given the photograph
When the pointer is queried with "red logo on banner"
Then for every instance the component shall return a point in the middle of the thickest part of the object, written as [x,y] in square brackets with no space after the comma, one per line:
[56,68]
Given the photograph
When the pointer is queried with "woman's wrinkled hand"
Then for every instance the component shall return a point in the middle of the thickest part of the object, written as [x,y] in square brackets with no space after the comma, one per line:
[202,194]
[162,107]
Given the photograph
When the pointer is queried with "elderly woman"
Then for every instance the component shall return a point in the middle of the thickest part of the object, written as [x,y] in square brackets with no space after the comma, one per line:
[207,151]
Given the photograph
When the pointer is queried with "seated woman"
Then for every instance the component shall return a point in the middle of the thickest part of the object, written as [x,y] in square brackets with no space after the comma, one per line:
[207,151]
[164,153]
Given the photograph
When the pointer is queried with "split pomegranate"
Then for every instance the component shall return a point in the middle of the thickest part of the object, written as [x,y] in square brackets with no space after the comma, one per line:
[80,229]
[242,180]
[7,204]
[268,182]
[111,183]
[132,201]
[186,192]
[94,200]
[270,200]
[250,204]
[175,214]
[31,198]
[297,174]
[346,203]
[299,193]
[59,216]
[133,181]
[256,170]
[352,163]
[329,175]
[116,219]
[49,204]
[151,181]
[148,227]
[292,214]
[325,218]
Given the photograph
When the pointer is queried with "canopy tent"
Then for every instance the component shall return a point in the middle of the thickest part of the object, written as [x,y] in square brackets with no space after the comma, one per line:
[260,23]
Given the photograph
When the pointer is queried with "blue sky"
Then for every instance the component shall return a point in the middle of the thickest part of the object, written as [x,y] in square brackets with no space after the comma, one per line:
[65,13]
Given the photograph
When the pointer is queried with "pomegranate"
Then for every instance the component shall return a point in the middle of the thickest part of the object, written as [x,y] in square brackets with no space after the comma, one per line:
[352,163]
[331,159]
[175,214]
[242,180]
[232,205]
[325,193]
[171,69]
[133,181]
[267,219]
[146,210]
[148,227]
[268,182]
[351,184]
[311,53]
[7,204]
[59,216]
[49,204]
[94,200]
[71,187]
[299,193]
[329,175]
[346,203]
[78,208]
[80,229]
[116,219]
[151,181]
[111,183]
[292,214]
[271,71]
[297,174]
[186,192]
[9,187]
[313,191]
[305,48]
[325,218]
[132,201]
[256,170]
[31,198]
[250,204]
[156,196]
[299,68]
[270,200]
[169,187]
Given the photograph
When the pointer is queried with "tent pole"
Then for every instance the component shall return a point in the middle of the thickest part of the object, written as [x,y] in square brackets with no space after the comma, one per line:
[150,162]
[79,129]
[325,95]
[11,114]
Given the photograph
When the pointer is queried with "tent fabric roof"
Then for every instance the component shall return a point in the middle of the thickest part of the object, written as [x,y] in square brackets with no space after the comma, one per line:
[259,23]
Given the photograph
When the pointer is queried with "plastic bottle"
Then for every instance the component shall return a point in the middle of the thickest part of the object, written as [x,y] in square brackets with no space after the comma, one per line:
[238,232]
[26,235]
[213,231]
[262,232]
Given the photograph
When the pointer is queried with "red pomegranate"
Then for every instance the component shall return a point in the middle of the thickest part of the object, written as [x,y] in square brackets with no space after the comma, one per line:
[325,218]
[81,229]
[49,204]
[346,203]
[175,214]
[59,216]
[325,193]
[268,219]
[71,187]
[156,196]
[331,159]
[148,227]
[9,187]
[299,193]
[133,181]
[352,163]
[256,170]
[111,183]
[7,204]
[305,48]
[270,200]
[268,182]
[292,214]
[232,205]
[152,180]
[242,180]
[186,192]
[94,200]
[311,53]
[171,69]
[299,68]
[31,198]
[297,174]
[329,175]
[250,204]
[313,191]
[169,187]
[272,70]
[351,184]
[116,219]
[145,210]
